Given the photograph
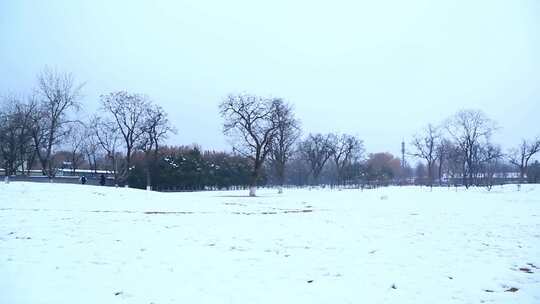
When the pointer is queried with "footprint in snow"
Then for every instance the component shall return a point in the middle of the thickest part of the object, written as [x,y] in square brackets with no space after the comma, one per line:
[123,295]
[526,270]
[532,265]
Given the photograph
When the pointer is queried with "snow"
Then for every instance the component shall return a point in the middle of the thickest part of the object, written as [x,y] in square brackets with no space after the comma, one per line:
[86,244]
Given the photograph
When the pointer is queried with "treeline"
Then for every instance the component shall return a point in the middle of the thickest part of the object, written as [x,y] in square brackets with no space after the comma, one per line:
[189,168]
[43,131]
[460,149]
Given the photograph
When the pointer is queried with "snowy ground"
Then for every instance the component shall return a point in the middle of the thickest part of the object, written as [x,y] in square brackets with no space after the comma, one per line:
[85,244]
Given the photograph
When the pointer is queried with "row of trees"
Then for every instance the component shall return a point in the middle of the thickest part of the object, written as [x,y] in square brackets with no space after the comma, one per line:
[190,168]
[31,128]
[42,130]
[44,127]
[266,128]
[461,147]
[37,126]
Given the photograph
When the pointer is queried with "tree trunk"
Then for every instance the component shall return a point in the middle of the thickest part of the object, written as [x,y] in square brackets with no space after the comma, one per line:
[30,163]
[254,178]
[430,174]
[148,177]
[115,171]
[253,185]
[95,164]
[281,177]
[440,176]
[128,166]
[252,191]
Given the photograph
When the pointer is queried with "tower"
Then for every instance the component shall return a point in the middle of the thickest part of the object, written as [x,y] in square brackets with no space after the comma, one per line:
[403,174]
[402,155]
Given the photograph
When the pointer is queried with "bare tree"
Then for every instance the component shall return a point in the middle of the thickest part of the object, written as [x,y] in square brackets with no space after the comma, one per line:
[490,157]
[316,149]
[420,173]
[74,143]
[128,111]
[15,136]
[288,132]
[345,149]
[381,168]
[521,156]
[108,136]
[426,145]
[251,121]
[91,147]
[454,161]
[155,127]
[470,129]
[442,151]
[58,96]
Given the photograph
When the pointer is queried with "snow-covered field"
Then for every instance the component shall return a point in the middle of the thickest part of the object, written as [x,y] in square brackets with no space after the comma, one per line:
[85,244]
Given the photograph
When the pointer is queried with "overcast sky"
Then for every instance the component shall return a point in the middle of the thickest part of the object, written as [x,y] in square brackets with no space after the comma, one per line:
[377,69]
